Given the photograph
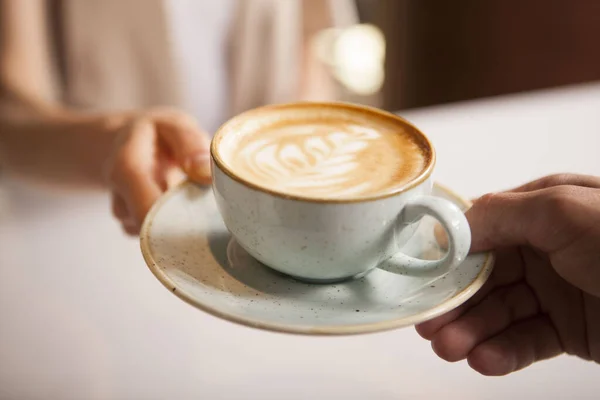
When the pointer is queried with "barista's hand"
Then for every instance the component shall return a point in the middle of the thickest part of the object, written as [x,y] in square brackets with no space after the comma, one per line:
[543,298]
[154,150]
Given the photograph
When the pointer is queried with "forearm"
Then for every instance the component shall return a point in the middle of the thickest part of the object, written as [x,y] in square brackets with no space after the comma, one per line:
[38,136]
[55,145]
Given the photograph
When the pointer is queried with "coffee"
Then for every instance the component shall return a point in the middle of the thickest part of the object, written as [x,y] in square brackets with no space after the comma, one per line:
[323,151]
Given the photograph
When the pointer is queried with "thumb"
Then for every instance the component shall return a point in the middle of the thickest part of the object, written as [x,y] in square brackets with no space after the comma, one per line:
[530,218]
[188,144]
[497,220]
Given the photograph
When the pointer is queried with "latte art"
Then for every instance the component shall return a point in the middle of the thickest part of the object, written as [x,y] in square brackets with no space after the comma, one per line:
[324,157]
[323,160]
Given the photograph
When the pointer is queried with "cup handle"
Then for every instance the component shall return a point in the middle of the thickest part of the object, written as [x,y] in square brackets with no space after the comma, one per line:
[453,221]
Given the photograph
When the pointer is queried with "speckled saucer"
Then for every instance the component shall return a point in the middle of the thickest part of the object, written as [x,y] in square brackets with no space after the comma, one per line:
[187,247]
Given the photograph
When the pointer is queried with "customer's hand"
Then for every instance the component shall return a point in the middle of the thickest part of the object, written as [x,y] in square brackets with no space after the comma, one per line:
[154,151]
[543,298]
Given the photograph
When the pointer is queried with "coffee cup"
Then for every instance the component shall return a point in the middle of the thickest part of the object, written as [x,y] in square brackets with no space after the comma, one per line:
[325,192]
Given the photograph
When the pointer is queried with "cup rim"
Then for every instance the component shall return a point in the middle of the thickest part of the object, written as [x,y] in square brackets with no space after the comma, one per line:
[419,179]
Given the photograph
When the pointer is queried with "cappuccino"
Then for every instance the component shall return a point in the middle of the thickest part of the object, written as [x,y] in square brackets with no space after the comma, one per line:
[323,151]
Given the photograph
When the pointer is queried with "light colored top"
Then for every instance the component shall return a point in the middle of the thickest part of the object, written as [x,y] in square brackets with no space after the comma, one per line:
[212,58]
[200,33]
[82,317]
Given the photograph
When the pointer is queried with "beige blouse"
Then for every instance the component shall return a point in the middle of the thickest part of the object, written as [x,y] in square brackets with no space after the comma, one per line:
[117,54]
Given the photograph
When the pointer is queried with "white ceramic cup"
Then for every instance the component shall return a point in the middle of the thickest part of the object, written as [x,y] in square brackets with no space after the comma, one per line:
[332,240]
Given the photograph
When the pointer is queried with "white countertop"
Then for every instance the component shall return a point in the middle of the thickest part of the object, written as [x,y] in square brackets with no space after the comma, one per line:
[81,317]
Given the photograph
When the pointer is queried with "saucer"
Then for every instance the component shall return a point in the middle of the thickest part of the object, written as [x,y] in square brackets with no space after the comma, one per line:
[187,247]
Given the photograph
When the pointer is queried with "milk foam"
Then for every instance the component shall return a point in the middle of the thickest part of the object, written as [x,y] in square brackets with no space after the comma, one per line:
[325,158]
[314,158]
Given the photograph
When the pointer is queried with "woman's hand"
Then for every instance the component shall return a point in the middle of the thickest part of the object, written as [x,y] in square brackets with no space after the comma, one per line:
[154,150]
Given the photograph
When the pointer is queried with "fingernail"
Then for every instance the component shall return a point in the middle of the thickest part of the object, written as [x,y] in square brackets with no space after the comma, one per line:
[197,168]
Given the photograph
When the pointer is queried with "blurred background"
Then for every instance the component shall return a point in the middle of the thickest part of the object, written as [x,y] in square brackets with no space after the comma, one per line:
[446,51]
[395,54]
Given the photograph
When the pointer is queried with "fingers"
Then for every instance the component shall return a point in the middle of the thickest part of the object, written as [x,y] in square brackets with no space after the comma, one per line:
[131,228]
[509,270]
[530,214]
[500,309]
[141,193]
[187,142]
[120,211]
[516,348]
[119,208]
[167,173]
[430,328]
[148,159]
[543,219]
[132,175]
[588,181]
[197,168]
[500,335]
[498,220]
